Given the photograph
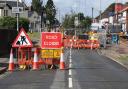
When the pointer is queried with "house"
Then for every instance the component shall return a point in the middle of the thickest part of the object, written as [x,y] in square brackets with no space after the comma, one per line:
[35,20]
[111,16]
[123,20]
[6,8]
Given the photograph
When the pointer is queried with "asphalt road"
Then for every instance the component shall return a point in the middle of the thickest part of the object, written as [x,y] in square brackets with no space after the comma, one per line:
[87,70]
[93,71]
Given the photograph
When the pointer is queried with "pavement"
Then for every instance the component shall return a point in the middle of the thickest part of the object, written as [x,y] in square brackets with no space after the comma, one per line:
[3,65]
[118,53]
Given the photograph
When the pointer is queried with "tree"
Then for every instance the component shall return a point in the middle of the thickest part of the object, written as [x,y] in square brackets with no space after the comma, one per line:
[50,12]
[23,22]
[68,21]
[37,5]
[84,22]
[81,16]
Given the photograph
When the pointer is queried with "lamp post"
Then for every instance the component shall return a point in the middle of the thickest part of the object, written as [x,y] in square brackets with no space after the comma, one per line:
[43,20]
[76,23]
[17,17]
[100,10]
[47,22]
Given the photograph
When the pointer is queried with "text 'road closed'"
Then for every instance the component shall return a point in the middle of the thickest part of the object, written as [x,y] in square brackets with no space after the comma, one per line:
[51,40]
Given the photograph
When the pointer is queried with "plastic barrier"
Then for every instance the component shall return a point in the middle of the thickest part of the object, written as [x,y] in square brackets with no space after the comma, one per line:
[79,43]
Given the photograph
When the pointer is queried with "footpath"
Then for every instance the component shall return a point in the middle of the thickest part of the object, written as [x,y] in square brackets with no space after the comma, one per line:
[118,53]
[3,64]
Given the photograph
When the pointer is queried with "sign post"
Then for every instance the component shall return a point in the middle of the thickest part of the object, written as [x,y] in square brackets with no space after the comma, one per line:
[17,10]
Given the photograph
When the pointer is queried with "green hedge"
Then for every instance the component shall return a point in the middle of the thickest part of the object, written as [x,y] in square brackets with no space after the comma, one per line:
[11,22]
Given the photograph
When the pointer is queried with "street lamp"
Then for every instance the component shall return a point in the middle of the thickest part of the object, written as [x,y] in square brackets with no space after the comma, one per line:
[47,23]
[17,16]
[43,20]
[76,23]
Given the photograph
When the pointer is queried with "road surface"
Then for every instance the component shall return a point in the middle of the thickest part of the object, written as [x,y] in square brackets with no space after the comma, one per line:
[87,70]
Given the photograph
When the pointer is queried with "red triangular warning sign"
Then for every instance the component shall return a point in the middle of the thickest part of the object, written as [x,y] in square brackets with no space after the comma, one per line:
[22,40]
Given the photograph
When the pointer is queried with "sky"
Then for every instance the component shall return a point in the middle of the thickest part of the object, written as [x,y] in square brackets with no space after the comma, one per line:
[85,6]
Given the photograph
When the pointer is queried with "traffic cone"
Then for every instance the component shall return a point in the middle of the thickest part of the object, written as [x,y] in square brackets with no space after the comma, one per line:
[35,61]
[11,61]
[62,63]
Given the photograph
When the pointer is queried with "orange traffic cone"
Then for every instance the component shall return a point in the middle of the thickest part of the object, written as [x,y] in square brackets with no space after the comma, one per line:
[62,63]
[35,61]
[11,62]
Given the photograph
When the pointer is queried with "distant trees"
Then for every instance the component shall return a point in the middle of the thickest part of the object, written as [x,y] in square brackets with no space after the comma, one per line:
[37,6]
[69,19]
[23,22]
[50,12]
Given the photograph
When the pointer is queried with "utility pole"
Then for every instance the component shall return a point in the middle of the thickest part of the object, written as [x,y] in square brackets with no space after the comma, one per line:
[92,13]
[116,20]
[100,10]
[17,15]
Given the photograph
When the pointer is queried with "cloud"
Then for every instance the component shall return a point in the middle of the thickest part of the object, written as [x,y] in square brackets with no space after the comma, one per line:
[75,5]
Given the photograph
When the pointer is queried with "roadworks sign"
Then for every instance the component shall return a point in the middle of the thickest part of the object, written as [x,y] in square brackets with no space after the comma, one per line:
[50,53]
[22,40]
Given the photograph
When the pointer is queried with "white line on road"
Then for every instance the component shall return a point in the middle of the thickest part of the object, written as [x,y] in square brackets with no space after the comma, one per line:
[70,72]
[70,83]
[70,59]
[70,65]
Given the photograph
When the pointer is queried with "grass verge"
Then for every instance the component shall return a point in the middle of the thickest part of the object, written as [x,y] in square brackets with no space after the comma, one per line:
[34,35]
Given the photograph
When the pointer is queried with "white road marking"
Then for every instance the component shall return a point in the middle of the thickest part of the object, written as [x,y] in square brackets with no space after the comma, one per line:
[70,60]
[70,72]
[70,65]
[70,85]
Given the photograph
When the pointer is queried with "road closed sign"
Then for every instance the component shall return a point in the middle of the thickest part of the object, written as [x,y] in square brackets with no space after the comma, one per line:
[51,40]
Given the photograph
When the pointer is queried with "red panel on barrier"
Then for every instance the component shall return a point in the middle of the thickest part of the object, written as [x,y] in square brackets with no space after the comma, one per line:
[51,40]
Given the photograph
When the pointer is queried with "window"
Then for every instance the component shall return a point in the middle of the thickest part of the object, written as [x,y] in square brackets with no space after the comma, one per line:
[5,12]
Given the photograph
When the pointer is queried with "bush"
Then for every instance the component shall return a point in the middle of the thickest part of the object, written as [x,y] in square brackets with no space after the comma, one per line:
[11,22]
[23,22]
[7,22]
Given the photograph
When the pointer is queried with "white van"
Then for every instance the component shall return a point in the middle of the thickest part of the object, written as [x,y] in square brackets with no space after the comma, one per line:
[96,26]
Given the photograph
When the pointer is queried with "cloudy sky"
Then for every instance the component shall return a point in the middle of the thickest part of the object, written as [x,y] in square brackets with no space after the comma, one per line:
[65,6]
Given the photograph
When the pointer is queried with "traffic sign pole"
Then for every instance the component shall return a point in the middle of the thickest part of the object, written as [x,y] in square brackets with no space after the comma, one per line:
[17,21]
